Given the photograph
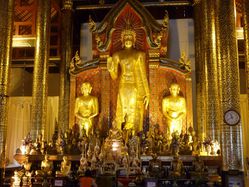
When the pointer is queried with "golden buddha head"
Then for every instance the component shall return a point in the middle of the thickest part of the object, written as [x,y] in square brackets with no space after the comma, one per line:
[128,38]
[174,89]
[65,159]
[86,88]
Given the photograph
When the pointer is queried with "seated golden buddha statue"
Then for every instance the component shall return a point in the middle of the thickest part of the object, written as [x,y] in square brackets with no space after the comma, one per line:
[26,164]
[86,107]
[174,109]
[133,91]
[65,169]
[115,134]
[46,166]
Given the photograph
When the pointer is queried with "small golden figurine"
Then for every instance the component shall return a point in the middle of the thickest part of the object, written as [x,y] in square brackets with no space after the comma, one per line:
[113,145]
[176,167]
[198,165]
[46,166]
[115,133]
[175,144]
[16,179]
[26,164]
[155,166]
[133,93]
[65,167]
[174,109]
[83,165]
[86,108]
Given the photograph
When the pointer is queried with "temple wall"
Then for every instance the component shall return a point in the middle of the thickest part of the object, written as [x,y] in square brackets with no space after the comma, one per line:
[21,83]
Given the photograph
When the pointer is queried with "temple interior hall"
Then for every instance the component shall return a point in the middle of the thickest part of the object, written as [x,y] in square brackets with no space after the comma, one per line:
[124,93]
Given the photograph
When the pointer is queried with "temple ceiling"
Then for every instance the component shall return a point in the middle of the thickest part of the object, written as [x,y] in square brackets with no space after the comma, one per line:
[25,15]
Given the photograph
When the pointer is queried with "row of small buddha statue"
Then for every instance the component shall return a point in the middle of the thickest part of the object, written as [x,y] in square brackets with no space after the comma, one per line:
[176,169]
[153,141]
[183,144]
[132,166]
[25,174]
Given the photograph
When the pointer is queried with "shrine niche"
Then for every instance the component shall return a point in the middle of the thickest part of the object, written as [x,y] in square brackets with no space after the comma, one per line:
[151,39]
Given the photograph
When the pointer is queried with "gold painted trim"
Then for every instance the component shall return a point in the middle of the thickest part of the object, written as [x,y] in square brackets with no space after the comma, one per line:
[146,4]
[23,41]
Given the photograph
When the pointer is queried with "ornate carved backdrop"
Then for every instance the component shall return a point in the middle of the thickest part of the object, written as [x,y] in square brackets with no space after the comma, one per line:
[161,72]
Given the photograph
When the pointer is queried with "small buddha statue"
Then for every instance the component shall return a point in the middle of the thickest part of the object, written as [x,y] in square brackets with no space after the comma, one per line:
[26,164]
[175,143]
[155,166]
[65,167]
[86,108]
[195,145]
[176,169]
[102,154]
[16,179]
[125,160]
[185,145]
[46,166]
[157,139]
[198,167]
[89,153]
[133,92]
[165,145]
[26,179]
[94,164]
[135,165]
[26,174]
[83,164]
[174,109]
[96,150]
[115,133]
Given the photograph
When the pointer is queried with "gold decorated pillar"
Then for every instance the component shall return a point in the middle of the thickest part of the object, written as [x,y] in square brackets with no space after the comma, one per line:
[6,28]
[231,136]
[208,92]
[245,13]
[200,85]
[39,91]
[246,39]
[66,55]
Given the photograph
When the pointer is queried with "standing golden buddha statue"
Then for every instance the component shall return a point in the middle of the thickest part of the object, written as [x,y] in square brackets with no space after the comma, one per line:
[86,108]
[174,109]
[133,91]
